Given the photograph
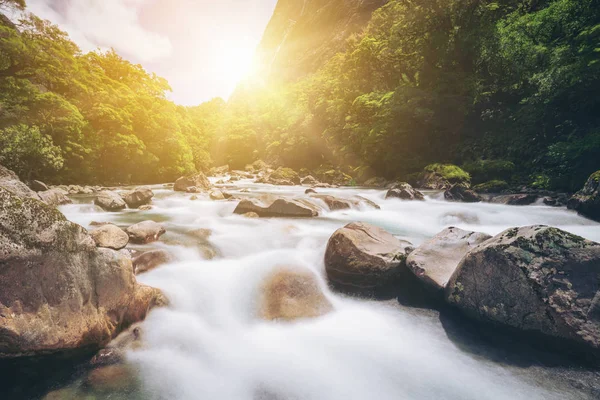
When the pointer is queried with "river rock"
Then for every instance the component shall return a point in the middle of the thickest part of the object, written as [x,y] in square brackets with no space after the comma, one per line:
[110,236]
[251,215]
[145,232]
[534,278]
[361,258]
[522,199]
[435,261]
[10,181]
[461,193]
[404,191]
[38,186]
[54,197]
[138,197]
[192,183]
[219,171]
[273,206]
[110,201]
[587,201]
[150,260]
[59,292]
[309,191]
[291,293]
[216,195]
[336,203]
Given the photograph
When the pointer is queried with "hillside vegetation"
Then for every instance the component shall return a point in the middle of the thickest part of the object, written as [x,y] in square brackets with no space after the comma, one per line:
[506,89]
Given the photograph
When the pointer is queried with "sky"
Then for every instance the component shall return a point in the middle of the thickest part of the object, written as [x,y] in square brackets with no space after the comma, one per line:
[202,47]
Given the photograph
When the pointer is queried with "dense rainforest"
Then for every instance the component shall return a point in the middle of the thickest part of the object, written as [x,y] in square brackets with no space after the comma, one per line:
[506,89]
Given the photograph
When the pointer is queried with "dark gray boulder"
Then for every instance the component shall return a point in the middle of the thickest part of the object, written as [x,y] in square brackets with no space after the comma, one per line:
[462,193]
[535,278]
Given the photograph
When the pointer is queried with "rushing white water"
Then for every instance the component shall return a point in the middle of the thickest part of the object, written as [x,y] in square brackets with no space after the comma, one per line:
[208,344]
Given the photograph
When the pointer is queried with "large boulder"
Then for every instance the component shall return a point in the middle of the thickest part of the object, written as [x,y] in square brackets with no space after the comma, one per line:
[54,197]
[273,206]
[10,181]
[110,236]
[110,201]
[404,191]
[587,201]
[435,261]
[361,258]
[534,278]
[138,197]
[334,177]
[309,181]
[188,183]
[59,292]
[462,194]
[292,293]
[145,232]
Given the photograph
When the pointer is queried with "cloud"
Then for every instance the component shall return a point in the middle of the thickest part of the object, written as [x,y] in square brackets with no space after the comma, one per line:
[106,24]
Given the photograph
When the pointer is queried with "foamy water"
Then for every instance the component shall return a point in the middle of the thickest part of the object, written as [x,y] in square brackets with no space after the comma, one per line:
[208,344]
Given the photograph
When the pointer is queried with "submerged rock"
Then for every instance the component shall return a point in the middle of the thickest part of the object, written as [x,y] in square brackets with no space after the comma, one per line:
[535,278]
[461,193]
[292,293]
[138,197]
[110,201]
[587,201]
[435,261]
[273,206]
[192,183]
[145,232]
[150,260]
[110,236]
[404,191]
[59,292]
[112,378]
[361,258]
[115,352]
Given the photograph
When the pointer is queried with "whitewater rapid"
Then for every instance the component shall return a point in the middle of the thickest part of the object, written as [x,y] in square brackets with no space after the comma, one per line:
[209,344]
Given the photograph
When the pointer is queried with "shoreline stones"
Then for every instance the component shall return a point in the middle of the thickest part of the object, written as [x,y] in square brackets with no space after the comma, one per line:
[145,232]
[110,236]
[54,197]
[435,261]
[535,278]
[360,258]
[59,292]
[110,201]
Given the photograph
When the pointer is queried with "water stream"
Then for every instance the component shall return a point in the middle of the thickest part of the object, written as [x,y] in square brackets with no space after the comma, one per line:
[209,344]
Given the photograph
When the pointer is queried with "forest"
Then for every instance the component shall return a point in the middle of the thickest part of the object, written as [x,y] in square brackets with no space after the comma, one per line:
[505,89]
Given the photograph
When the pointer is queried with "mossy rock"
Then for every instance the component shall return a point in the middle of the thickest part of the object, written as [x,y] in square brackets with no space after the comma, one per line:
[494,186]
[449,172]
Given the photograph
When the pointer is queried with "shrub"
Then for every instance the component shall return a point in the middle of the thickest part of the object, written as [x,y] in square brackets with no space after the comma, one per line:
[487,170]
[450,172]
[494,186]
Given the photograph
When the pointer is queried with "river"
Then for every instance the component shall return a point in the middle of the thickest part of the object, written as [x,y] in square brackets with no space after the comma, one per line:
[208,344]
